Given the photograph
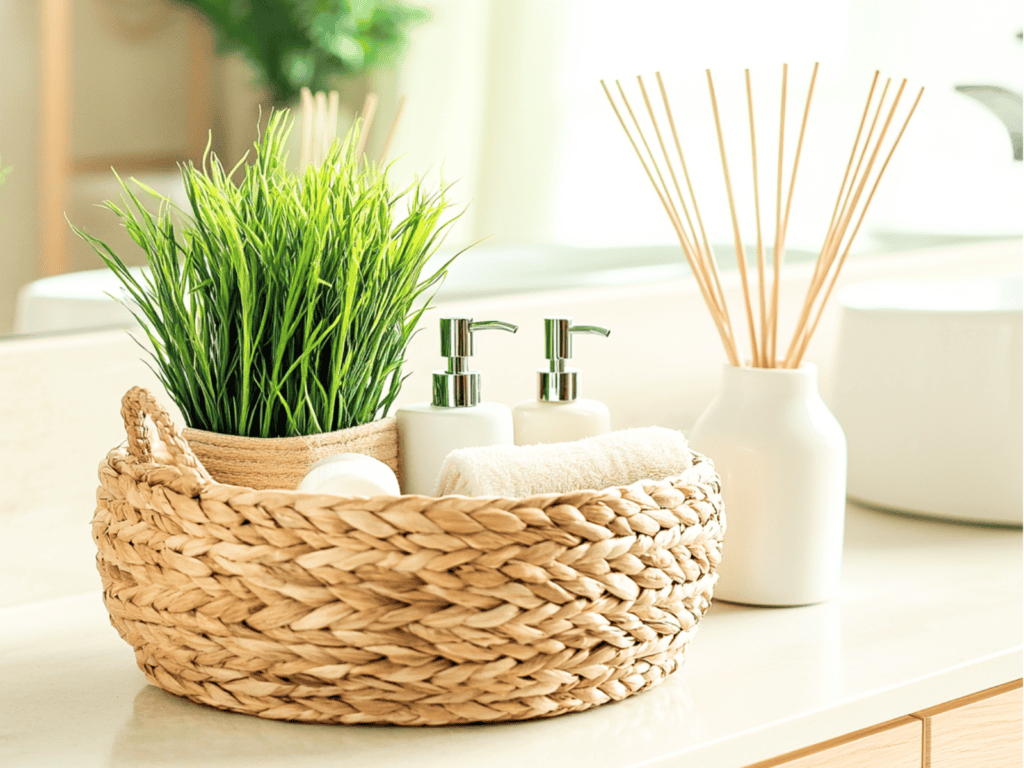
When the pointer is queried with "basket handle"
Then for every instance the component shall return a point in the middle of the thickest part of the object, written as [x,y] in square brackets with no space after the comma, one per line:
[136,405]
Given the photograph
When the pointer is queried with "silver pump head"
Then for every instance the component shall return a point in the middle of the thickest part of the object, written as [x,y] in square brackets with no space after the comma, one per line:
[558,383]
[459,387]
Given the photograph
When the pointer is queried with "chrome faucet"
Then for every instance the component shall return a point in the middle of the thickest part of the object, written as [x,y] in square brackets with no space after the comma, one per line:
[1005,104]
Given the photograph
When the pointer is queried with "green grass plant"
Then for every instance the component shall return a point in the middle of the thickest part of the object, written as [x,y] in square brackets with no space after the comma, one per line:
[313,43]
[282,305]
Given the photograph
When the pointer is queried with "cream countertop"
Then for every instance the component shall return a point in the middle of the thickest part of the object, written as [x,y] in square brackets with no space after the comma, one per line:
[928,612]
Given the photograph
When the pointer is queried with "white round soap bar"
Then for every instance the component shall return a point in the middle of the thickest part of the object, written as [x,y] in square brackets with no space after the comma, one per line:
[350,474]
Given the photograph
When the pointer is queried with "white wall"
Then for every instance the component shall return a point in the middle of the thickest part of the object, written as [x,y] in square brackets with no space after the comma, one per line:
[129,97]
[504,99]
[19,73]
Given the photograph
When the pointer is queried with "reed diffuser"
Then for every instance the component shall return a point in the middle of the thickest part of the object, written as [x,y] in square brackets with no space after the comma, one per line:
[780,452]
[762,325]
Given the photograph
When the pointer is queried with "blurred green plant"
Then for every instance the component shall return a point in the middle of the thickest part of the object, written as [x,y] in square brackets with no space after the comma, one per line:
[3,171]
[282,305]
[296,43]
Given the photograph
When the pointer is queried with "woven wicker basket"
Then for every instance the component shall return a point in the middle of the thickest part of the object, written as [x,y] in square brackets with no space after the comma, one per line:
[407,610]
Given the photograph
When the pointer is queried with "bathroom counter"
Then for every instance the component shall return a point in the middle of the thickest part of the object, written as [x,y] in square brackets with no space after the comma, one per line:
[929,612]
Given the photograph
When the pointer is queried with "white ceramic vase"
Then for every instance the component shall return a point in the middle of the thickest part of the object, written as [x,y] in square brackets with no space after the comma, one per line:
[781,455]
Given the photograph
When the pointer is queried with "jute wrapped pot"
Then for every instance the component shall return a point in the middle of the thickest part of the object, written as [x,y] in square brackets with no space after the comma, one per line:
[406,610]
[281,462]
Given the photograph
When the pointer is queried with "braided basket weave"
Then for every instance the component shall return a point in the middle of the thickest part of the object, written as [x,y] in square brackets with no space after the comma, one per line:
[406,610]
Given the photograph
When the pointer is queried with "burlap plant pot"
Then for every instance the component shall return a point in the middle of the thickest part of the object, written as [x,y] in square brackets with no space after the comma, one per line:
[407,610]
[280,463]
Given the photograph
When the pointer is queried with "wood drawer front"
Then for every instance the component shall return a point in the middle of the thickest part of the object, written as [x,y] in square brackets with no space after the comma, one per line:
[987,732]
[896,744]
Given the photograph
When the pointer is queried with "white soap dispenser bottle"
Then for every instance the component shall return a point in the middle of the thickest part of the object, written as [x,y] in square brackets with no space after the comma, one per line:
[558,415]
[456,417]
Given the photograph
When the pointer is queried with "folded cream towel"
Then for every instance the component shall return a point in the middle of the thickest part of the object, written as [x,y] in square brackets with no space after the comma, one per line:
[595,463]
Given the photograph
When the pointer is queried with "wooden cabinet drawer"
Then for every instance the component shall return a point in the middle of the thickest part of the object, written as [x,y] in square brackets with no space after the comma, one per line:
[984,729]
[896,744]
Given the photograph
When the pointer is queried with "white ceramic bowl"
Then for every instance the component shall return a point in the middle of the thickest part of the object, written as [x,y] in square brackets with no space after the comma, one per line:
[928,389]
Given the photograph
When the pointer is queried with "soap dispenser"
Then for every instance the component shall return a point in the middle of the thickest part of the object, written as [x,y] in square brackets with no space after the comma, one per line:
[456,417]
[558,415]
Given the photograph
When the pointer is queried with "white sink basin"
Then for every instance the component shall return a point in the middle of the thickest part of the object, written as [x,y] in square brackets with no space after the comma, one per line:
[82,300]
[928,388]
[76,301]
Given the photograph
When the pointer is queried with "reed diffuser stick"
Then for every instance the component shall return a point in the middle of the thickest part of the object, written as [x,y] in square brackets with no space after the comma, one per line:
[780,255]
[668,161]
[841,228]
[764,362]
[822,263]
[333,102]
[860,220]
[741,254]
[711,263]
[692,256]
[694,243]
[366,118]
[773,312]
[320,127]
[846,177]
[830,246]
[305,158]
[849,163]
[694,240]
[695,266]
[654,162]
[394,130]
[320,113]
